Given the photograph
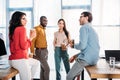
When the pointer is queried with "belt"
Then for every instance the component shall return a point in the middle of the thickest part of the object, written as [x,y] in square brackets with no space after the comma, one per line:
[40,48]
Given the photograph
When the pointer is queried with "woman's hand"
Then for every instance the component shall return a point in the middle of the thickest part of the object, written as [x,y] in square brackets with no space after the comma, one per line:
[31,55]
[32,34]
[71,43]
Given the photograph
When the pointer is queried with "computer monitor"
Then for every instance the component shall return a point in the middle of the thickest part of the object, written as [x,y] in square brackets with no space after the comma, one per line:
[112,53]
[2,48]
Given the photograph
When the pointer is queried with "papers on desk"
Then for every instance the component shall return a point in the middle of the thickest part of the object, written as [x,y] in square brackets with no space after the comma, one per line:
[4,64]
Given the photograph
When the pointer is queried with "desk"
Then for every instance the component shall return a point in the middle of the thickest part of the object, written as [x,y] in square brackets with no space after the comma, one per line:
[6,74]
[102,70]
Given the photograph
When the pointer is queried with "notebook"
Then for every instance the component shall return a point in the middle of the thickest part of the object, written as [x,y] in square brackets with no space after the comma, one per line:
[4,64]
[112,53]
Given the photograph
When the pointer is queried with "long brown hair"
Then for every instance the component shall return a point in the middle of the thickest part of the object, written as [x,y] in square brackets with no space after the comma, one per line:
[15,22]
[64,28]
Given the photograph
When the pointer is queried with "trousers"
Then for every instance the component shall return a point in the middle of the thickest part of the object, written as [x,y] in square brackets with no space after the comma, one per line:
[26,67]
[41,54]
[61,55]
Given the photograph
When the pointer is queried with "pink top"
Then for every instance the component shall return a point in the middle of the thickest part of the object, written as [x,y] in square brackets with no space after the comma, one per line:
[19,44]
[60,38]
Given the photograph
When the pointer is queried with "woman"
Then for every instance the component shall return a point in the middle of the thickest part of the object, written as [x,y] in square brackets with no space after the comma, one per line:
[61,38]
[19,44]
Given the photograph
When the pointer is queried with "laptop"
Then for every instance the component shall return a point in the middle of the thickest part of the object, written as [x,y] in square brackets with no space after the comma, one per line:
[112,53]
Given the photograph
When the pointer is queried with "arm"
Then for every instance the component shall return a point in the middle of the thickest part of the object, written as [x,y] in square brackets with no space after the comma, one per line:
[83,39]
[33,32]
[69,38]
[32,46]
[54,41]
[73,58]
[24,41]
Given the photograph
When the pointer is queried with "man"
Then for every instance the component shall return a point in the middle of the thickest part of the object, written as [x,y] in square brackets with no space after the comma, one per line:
[88,46]
[40,45]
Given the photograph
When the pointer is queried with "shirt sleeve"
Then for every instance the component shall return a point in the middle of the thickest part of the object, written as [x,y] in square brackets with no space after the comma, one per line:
[32,46]
[24,41]
[82,39]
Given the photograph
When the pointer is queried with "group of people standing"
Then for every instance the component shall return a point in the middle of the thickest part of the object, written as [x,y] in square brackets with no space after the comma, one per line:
[19,44]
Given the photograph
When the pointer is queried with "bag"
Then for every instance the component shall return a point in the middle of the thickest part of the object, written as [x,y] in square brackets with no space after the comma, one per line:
[63,47]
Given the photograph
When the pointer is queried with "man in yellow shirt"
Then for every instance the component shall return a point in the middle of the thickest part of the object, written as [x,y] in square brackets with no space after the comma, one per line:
[39,48]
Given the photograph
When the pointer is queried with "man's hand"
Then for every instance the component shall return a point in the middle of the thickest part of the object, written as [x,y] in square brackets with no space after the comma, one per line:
[31,55]
[72,58]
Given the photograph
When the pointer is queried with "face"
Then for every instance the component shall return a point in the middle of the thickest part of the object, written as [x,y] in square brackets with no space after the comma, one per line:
[23,20]
[82,19]
[44,22]
[61,24]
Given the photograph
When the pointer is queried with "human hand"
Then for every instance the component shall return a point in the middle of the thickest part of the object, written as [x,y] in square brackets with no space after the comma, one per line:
[71,43]
[32,34]
[71,59]
[31,55]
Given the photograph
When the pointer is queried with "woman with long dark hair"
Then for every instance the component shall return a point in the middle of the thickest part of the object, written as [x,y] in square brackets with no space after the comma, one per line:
[19,44]
[61,40]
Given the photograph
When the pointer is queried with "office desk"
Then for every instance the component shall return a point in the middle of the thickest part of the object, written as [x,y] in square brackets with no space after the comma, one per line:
[6,74]
[102,70]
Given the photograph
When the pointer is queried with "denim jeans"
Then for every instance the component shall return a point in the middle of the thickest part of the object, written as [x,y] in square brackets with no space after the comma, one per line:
[59,54]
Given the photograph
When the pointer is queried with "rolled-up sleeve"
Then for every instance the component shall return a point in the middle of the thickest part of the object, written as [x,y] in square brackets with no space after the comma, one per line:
[82,39]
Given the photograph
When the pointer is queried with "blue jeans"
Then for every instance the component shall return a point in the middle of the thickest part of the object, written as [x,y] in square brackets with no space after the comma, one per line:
[59,54]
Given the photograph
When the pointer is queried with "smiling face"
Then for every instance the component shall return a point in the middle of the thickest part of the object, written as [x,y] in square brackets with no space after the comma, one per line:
[86,17]
[23,20]
[44,21]
[61,24]
[82,20]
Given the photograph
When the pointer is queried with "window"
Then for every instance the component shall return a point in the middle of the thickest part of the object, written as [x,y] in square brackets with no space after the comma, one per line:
[106,12]
[3,18]
[106,21]
[18,5]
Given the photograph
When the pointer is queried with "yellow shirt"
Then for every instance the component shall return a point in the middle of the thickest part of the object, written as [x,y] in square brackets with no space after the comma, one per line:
[40,40]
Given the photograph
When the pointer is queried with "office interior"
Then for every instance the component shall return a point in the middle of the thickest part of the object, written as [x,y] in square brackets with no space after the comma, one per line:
[106,21]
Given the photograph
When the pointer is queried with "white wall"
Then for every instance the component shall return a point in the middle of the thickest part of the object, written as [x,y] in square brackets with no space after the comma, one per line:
[48,8]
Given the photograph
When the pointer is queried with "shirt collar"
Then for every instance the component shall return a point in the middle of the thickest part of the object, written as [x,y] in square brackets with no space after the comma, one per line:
[42,27]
